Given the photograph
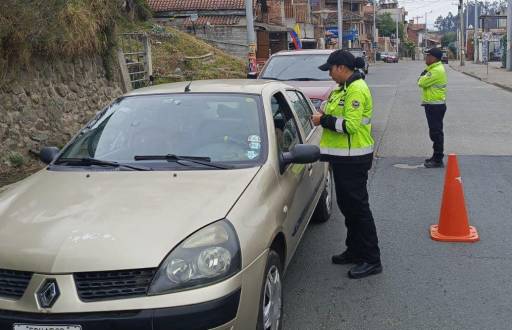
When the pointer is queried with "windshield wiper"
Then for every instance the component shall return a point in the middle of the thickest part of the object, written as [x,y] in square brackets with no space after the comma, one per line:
[93,161]
[205,161]
[304,79]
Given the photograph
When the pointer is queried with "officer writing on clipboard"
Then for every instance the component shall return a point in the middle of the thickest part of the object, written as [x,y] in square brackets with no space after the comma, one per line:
[347,145]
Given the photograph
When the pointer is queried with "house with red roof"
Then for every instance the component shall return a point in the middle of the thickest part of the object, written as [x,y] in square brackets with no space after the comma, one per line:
[223,22]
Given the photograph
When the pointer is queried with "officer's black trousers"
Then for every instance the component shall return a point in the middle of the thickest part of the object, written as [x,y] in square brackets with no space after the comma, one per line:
[435,114]
[352,196]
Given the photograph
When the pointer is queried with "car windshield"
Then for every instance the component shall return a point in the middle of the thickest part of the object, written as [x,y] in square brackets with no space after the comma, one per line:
[296,67]
[222,128]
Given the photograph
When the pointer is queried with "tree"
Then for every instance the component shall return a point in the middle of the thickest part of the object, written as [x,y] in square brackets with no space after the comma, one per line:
[448,38]
[447,24]
[387,26]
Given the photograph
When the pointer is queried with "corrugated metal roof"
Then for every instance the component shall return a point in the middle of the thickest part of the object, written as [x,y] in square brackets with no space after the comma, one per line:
[183,5]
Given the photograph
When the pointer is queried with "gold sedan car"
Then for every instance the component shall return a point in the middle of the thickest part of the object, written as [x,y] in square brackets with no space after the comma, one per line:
[178,206]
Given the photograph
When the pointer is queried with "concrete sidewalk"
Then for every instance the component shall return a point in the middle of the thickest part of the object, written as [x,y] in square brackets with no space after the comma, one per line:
[494,75]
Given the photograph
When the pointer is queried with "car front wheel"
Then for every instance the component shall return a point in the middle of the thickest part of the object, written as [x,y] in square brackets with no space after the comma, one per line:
[271,300]
[324,207]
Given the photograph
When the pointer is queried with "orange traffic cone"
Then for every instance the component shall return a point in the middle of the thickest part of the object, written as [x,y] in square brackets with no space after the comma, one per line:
[453,220]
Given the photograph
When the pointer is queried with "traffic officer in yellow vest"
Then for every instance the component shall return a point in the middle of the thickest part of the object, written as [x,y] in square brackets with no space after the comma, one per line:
[347,145]
[432,82]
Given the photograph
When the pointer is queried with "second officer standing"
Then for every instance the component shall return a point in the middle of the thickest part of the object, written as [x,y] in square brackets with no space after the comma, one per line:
[347,145]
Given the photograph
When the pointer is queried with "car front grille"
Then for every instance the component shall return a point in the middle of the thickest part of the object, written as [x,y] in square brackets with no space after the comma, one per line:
[13,283]
[109,285]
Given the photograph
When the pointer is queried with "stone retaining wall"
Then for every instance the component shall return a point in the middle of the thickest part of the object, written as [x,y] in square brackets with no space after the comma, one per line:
[47,104]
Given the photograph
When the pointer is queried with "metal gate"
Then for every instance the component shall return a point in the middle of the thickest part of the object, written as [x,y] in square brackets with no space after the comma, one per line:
[136,49]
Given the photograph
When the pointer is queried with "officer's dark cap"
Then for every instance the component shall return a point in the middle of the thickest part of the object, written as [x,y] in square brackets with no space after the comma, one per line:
[436,52]
[339,57]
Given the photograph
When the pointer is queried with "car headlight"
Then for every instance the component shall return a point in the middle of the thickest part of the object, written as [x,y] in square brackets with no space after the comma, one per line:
[210,255]
[316,103]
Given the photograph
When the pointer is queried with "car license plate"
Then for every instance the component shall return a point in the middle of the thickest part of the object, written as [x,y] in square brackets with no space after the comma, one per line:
[46,327]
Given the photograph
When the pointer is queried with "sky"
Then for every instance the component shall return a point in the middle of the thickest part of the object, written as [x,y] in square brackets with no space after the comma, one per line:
[434,8]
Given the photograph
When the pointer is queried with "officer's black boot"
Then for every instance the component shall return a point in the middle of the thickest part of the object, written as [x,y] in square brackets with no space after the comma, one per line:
[433,163]
[345,258]
[365,269]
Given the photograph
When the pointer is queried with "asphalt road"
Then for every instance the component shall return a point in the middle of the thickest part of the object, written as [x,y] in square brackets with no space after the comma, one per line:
[425,284]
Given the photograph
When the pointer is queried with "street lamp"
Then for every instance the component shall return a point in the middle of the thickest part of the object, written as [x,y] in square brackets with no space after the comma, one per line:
[426,28]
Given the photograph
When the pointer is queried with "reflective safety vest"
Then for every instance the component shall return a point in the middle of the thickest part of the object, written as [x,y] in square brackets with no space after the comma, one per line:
[433,84]
[352,106]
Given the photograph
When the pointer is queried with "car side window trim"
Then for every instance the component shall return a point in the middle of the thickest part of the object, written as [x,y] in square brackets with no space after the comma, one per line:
[285,109]
[307,136]
[309,106]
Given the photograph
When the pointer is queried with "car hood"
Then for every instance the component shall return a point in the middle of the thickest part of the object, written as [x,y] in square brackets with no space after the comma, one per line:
[62,222]
[314,89]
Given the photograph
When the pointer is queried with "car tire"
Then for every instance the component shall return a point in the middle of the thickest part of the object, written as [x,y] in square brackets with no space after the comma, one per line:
[270,316]
[323,209]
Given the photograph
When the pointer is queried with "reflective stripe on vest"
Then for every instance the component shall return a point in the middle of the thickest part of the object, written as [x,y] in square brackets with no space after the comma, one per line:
[434,102]
[346,152]
[440,86]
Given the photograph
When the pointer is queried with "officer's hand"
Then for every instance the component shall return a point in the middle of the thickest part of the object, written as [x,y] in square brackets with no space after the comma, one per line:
[316,119]
[423,73]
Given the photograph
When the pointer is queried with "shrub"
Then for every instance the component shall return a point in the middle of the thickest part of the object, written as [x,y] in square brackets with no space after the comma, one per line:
[16,159]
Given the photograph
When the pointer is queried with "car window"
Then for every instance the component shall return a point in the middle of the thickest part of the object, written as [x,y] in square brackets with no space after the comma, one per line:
[302,109]
[288,67]
[287,133]
[223,127]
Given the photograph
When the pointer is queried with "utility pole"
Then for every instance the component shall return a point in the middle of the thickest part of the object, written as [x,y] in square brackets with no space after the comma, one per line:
[397,19]
[509,36]
[340,24]
[251,39]
[466,29]
[475,42]
[426,31]
[461,44]
[375,36]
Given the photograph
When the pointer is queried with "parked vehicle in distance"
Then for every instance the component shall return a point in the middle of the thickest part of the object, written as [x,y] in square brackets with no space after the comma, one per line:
[391,58]
[178,206]
[299,68]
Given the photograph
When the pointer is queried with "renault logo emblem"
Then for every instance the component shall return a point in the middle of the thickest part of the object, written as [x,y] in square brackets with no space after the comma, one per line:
[48,293]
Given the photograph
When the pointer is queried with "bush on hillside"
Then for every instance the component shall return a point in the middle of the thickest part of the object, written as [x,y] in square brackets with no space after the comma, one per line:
[61,28]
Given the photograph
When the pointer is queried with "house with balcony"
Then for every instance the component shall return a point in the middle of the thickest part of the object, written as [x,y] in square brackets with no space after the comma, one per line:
[355,30]
[223,23]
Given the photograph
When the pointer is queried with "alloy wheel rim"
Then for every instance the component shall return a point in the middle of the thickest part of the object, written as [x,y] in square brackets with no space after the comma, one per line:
[272,300]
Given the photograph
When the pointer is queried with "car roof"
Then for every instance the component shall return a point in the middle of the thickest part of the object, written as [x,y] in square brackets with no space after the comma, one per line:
[304,52]
[243,86]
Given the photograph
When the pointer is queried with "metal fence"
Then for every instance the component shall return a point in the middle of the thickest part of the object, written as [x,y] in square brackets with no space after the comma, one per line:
[136,48]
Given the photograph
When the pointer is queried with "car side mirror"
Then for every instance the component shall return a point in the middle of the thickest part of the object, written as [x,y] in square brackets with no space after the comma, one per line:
[48,154]
[252,75]
[300,154]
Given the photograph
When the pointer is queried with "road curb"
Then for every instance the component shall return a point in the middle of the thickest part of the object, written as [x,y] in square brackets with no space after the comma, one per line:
[505,87]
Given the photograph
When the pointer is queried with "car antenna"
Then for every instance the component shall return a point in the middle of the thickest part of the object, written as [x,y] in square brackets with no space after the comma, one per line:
[187,88]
